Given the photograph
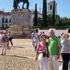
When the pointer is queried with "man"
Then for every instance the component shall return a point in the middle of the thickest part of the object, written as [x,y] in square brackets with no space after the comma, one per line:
[53,49]
[10,37]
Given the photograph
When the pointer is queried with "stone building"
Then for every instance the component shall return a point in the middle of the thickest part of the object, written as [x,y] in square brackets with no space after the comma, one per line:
[5,18]
[50,7]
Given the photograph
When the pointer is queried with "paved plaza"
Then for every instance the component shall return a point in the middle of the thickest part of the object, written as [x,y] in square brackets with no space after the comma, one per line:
[20,57]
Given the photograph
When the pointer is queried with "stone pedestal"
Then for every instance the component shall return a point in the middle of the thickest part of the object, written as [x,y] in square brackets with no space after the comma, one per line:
[22,22]
[22,17]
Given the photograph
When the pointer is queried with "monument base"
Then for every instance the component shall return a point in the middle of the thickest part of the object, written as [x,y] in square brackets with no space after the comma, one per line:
[20,32]
[22,17]
[22,22]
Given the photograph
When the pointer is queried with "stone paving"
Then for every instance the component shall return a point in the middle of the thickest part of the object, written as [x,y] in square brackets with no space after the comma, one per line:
[20,57]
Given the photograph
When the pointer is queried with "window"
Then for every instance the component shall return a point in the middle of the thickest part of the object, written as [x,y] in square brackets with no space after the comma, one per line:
[3,20]
[6,21]
[50,7]
[9,20]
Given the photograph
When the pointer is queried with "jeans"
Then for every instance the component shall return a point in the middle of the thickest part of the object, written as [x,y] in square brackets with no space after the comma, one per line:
[65,58]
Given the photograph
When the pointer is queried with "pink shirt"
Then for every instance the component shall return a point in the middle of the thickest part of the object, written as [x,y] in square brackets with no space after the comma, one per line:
[40,48]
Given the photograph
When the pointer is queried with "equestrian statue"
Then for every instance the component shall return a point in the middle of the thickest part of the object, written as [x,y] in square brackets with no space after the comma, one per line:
[16,2]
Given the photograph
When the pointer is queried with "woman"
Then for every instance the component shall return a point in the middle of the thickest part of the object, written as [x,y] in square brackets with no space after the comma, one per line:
[35,39]
[65,51]
[42,53]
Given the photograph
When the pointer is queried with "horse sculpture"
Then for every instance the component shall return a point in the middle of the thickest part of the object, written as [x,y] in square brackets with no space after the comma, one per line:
[16,2]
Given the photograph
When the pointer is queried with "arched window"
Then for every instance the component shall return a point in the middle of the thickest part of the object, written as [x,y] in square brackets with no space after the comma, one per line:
[6,20]
[9,20]
[3,20]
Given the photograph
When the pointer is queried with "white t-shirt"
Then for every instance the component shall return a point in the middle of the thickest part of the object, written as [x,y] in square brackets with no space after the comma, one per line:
[35,39]
[1,36]
[65,46]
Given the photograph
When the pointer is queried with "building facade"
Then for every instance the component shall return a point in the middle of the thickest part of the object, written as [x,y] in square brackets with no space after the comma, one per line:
[5,18]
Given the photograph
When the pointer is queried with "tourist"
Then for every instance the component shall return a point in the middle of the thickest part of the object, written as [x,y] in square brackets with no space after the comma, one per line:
[41,33]
[40,36]
[35,39]
[32,37]
[65,51]
[4,43]
[54,45]
[10,38]
[62,36]
[0,39]
[42,53]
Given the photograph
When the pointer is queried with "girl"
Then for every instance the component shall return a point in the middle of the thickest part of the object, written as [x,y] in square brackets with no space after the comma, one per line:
[65,51]
[4,43]
[42,53]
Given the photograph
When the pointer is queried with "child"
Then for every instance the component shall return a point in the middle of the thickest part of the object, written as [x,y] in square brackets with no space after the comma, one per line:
[4,43]
[42,53]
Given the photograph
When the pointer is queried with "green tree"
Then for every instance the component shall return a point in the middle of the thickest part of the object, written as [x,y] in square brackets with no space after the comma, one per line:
[39,22]
[35,16]
[65,20]
[49,20]
[69,20]
[53,13]
[57,19]
[44,13]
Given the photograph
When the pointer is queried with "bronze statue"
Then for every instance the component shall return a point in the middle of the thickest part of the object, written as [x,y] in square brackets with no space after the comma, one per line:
[16,2]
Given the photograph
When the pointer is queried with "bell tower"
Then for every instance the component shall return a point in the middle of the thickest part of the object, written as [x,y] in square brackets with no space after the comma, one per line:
[50,7]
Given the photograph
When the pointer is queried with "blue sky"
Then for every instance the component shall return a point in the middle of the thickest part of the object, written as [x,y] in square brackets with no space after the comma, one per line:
[63,6]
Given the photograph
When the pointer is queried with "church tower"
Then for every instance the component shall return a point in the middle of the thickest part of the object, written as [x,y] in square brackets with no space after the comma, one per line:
[50,7]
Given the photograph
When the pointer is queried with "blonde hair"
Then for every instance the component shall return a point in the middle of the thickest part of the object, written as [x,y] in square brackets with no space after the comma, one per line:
[66,35]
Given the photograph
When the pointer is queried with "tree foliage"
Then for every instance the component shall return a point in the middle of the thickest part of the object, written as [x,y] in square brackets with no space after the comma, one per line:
[44,13]
[53,13]
[59,22]
[35,16]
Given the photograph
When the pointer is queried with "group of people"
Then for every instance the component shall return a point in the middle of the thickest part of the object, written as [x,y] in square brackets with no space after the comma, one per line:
[5,38]
[49,48]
